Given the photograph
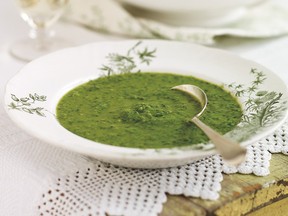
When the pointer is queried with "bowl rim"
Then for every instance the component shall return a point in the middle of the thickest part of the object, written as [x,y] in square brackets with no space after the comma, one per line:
[116,152]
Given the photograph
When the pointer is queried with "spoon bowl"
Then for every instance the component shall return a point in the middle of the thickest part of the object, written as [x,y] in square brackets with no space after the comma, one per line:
[231,151]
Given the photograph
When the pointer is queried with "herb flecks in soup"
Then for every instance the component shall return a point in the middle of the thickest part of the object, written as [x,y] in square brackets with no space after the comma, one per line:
[140,110]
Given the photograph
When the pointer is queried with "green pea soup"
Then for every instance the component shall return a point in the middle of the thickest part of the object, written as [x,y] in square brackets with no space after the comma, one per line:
[140,110]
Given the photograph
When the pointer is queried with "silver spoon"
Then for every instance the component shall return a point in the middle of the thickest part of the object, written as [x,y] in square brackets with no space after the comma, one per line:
[231,151]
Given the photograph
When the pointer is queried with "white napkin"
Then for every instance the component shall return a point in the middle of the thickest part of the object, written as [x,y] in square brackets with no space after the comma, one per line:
[267,20]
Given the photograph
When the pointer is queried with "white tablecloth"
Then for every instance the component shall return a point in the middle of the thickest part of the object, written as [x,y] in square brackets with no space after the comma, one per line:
[16,188]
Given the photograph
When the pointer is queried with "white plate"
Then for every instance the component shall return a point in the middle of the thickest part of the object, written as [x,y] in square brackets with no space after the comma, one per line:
[185,6]
[50,77]
[194,13]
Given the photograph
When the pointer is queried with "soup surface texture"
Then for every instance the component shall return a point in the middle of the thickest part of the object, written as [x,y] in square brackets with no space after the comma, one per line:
[140,110]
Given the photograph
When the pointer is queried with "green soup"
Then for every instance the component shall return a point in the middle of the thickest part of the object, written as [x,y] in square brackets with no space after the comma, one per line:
[140,110]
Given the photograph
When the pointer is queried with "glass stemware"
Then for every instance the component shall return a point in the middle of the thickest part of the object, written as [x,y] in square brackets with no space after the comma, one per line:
[40,15]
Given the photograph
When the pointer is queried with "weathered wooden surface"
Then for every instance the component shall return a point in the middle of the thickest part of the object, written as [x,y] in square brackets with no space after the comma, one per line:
[240,195]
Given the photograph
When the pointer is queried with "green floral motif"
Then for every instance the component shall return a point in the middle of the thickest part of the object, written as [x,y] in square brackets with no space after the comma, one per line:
[261,107]
[118,64]
[27,104]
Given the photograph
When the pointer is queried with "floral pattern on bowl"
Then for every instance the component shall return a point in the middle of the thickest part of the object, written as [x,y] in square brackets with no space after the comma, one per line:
[262,94]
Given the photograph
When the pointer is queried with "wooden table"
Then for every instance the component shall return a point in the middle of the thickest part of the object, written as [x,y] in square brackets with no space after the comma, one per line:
[241,195]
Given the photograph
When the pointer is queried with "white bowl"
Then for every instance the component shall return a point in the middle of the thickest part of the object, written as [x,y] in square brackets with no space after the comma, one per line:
[191,12]
[55,74]
[185,6]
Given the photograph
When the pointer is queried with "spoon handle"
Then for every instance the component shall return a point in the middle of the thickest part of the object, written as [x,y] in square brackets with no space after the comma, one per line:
[231,151]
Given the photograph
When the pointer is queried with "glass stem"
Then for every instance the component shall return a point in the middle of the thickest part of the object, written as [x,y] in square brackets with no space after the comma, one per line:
[42,38]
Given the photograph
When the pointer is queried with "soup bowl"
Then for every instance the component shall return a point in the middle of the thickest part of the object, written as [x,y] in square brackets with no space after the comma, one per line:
[32,95]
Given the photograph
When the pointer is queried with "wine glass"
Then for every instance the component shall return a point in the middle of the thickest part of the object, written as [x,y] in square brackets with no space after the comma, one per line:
[40,15]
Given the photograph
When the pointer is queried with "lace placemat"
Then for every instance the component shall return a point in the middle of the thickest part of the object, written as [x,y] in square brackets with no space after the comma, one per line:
[72,184]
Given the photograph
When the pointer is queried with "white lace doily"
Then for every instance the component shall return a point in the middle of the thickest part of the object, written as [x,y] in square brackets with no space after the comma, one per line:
[75,185]
[98,188]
